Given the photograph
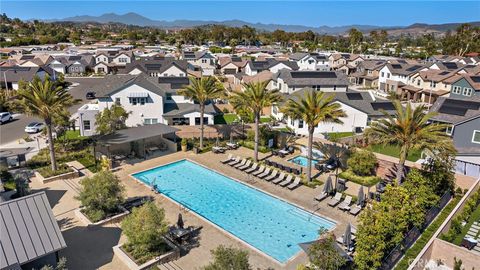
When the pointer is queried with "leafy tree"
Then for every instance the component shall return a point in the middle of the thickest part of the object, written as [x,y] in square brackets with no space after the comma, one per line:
[202,91]
[44,100]
[313,108]
[363,162]
[101,195]
[111,119]
[355,37]
[145,228]
[253,100]
[439,170]
[323,254]
[409,128]
[228,258]
[61,265]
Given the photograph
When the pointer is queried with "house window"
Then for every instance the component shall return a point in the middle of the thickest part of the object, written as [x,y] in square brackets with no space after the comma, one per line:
[334,88]
[388,75]
[138,100]
[476,136]
[457,90]
[169,96]
[383,74]
[449,130]
[467,91]
[150,121]
[197,120]
[204,61]
[418,82]
[117,101]
[300,123]
[86,124]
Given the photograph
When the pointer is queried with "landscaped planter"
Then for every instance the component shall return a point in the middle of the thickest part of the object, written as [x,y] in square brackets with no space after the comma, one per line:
[73,174]
[113,219]
[172,255]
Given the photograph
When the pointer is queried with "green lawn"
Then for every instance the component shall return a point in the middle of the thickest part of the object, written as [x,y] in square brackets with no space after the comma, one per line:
[227,118]
[338,135]
[71,135]
[394,151]
[265,119]
[89,163]
[475,216]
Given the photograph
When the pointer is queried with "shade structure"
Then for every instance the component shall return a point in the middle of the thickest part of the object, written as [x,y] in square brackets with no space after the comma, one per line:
[361,197]
[180,221]
[347,237]
[328,187]
[306,248]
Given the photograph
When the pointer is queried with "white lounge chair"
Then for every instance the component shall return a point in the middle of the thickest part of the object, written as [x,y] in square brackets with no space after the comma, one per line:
[252,169]
[228,159]
[355,210]
[271,176]
[238,165]
[287,181]
[235,161]
[295,184]
[345,205]
[279,178]
[259,171]
[335,200]
[248,164]
[265,173]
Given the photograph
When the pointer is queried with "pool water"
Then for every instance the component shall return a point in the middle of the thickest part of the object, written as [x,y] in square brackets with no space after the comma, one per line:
[302,161]
[271,225]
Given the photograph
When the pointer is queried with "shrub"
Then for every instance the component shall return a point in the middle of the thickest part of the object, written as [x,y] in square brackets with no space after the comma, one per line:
[101,195]
[228,258]
[145,228]
[48,172]
[362,163]
[361,180]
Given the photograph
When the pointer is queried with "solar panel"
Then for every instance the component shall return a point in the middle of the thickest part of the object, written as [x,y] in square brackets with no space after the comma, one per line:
[313,74]
[402,61]
[450,65]
[388,106]
[396,66]
[464,104]
[153,66]
[413,68]
[354,96]
[444,73]
[453,110]
[475,79]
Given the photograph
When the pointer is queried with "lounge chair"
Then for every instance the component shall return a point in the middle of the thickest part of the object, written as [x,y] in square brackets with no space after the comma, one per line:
[243,162]
[279,178]
[335,200]
[271,176]
[235,161]
[345,205]
[295,184]
[218,150]
[252,169]
[265,173]
[228,159]
[287,181]
[248,164]
[355,210]
[259,171]
[320,197]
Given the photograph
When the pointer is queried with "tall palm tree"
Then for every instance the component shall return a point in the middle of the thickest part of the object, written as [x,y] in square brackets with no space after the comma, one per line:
[409,128]
[202,91]
[313,108]
[337,152]
[253,99]
[45,100]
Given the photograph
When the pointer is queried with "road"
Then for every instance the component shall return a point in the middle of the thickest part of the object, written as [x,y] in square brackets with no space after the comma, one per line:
[14,130]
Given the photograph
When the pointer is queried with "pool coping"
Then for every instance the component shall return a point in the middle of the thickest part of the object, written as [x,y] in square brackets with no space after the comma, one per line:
[283,264]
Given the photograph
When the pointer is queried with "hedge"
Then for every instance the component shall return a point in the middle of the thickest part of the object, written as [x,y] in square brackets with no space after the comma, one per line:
[367,181]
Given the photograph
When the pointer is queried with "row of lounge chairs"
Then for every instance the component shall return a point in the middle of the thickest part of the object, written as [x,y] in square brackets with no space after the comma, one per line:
[263,172]
[283,167]
[344,205]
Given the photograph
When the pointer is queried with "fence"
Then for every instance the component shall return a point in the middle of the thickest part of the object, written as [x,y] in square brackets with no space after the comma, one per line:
[397,253]
[467,168]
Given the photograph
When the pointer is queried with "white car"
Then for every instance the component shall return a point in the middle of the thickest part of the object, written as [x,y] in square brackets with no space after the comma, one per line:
[34,127]
[5,117]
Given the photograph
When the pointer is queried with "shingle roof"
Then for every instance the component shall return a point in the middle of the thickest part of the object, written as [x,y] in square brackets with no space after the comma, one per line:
[404,69]
[454,111]
[309,78]
[17,73]
[28,230]
[155,65]
[137,133]
[270,62]
[113,83]
[180,109]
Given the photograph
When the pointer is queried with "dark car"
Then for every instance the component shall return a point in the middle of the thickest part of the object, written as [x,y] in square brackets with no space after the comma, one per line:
[90,95]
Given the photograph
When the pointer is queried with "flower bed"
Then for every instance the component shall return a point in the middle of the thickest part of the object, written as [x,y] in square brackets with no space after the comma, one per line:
[169,253]
[45,174]
[111,218]
[367,181]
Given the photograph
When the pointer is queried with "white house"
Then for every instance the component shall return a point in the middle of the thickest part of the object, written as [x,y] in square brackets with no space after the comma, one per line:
[254,67]
[202,61]
[311,61]
[164,67]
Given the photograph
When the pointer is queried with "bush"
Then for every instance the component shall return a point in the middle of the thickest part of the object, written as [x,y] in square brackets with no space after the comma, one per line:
[7,179]
[48,172]
[362,163]
[228,258]
[361,180]
[101,195]
[145,228]
[251,145]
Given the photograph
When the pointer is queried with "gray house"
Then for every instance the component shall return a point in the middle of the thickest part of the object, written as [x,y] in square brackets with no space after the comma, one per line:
[463,116]
[466,86]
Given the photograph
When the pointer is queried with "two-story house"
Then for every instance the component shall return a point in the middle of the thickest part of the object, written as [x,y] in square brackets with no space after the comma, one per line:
[253,66]
[367,73]
[202,61]
[465,86]
[158,67]
[310,61]
[290,81]
[111,61]
[394,75]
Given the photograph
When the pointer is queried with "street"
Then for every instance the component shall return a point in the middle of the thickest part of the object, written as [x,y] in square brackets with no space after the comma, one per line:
[13,131]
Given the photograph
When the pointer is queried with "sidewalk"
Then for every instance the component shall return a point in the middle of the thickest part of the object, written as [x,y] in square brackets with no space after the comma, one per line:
[39,142]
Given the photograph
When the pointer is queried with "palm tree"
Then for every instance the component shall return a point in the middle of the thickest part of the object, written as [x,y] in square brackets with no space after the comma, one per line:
[313,108]
[253,99]
[45,100]
[409,128]
[338,153]
[202,91]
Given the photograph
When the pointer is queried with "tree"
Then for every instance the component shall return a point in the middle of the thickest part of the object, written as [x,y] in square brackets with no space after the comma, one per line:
[253,99]
[44,100]
[363,163]
[323,254]
[101,195]
[338,153]
[111,119]
[313,108]
[202,91]
[355,38]
[409,129]
[228,258]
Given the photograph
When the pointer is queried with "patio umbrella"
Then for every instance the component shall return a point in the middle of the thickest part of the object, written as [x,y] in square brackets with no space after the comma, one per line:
[328,187]
[361,196]
[180,221]
[347,237]
[217,142]
[231,137]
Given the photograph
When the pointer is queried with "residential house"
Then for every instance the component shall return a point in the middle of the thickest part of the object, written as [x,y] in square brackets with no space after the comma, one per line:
[367,73]
[253,66]
[11,76]
[158,67]
[108,61]
[311,61]
[73,64]
[201,61]
[231,65]
[289,81]
[394,75]
[427,85]
[465,86]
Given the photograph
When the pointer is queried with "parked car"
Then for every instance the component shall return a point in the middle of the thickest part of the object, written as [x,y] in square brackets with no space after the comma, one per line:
[90,95]
[5,117]
[34,127]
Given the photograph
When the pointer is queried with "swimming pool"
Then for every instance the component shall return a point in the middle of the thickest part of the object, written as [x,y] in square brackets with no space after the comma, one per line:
[302,161]
[269,224]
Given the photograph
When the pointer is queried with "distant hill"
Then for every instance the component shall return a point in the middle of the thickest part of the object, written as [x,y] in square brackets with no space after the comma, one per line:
[136,19]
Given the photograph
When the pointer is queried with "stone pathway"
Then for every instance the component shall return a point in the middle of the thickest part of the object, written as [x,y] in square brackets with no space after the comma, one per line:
[473,232]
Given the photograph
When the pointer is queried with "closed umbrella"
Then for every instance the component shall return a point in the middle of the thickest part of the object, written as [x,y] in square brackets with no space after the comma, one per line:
[217,142]
[328,187]
[347,237]
[231,137]
[180,221]
[361,197]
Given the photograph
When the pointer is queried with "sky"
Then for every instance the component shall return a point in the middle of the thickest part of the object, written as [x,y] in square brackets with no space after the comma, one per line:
[308,13]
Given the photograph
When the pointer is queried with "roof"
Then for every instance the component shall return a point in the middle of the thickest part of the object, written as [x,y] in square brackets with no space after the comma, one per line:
[158,64]
[270,62]
[454,110]
[259,77]
[180,109]
[172,84]
[137,133]
[29,230]
[17,73]
[309,78]
[404,69]
[113,83]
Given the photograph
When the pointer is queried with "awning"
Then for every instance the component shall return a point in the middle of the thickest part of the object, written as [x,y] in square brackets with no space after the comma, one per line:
[136,133]
[137,94]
